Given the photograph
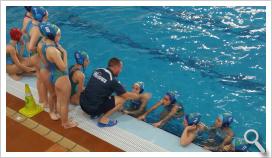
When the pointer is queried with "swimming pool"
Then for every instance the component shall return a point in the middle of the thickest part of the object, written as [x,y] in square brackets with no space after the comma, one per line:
[213,57]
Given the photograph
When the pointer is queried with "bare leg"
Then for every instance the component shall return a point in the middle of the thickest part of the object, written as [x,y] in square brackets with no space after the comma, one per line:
[14,71]
[74,100]
[63,91]
[42,91]
[16,77]
[27,62]
[119,101]
[52,101]
[45,74]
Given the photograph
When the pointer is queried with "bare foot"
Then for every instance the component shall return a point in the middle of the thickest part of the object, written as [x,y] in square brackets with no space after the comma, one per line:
[31,73]
[44,105]
[58,115]
[16,77]
[53,116]
[69,124]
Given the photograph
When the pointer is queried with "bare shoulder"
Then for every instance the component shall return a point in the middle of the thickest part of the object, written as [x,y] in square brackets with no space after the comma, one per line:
[146,95]
[10,49]
[52,53]
[79,75]
[229,131]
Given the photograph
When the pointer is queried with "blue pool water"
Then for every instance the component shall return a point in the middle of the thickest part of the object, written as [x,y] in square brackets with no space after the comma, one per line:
[212,57]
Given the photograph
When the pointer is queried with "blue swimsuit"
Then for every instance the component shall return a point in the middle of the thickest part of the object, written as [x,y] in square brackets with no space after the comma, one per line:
[55,72]
[212,138]
[29,26]
[8,57]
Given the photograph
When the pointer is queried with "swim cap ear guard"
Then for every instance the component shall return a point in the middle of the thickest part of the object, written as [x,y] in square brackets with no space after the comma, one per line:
[28,8]
[141,85]
[49,30]
[192,118]
[80,57]
[172,97]
[38,13]
[15,34]
[226,119]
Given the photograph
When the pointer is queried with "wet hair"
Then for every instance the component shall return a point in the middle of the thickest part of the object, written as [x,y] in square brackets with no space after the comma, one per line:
[114,62]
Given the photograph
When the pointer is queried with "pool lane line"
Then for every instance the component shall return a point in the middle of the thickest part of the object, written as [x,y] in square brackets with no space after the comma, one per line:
[47,133]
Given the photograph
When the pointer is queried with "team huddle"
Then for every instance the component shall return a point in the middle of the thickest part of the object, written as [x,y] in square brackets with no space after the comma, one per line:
[35,50]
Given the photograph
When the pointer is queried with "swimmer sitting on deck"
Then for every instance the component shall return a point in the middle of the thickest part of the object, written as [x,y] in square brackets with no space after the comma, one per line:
[16,64]
[136,108]
[97,99]
[76,75]
[171,109]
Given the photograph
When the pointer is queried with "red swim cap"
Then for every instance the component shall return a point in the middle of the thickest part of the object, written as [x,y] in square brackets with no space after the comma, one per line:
[15,34]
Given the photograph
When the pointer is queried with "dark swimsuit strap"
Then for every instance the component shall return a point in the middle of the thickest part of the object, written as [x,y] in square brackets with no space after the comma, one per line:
[56,46]
[26,16]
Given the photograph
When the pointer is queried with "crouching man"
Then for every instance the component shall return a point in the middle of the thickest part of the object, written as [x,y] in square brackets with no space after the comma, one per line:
[97,99]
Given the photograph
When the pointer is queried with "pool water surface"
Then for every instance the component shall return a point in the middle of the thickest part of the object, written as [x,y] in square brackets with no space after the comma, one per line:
[213,58]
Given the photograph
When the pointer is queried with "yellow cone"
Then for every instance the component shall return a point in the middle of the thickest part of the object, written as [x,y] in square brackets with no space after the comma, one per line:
[31,108]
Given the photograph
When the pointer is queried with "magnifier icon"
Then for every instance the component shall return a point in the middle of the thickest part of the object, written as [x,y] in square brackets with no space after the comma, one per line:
[255,141]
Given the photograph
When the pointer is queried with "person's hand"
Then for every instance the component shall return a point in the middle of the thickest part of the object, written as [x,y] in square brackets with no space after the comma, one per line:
[161,101]
[142,117]
[157,124]
[205,147]
[221,147]
[63,51]
[227,147]
[146,96]
[193,127]
[124,111]
[30,69]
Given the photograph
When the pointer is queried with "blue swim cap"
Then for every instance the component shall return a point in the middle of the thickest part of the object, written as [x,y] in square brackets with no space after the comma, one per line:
[80,56]
[38,13]
[226,119]
[172,97]
[49,30]
[240,144]
[192,118]
[141,85]
[28,8]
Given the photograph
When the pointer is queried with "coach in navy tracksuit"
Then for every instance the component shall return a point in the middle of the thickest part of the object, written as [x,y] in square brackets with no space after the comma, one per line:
[97,98]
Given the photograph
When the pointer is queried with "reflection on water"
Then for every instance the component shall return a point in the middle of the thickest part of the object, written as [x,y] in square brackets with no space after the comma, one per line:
[213,57]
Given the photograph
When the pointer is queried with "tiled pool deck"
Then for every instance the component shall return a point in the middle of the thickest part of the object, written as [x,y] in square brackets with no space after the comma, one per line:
[129,134]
